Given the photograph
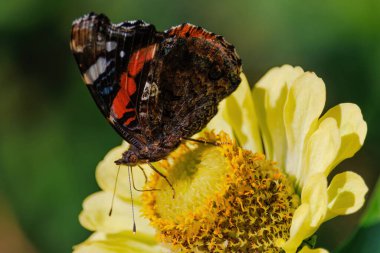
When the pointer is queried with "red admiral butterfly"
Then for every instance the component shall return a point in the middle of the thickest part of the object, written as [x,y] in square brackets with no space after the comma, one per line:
[155,88]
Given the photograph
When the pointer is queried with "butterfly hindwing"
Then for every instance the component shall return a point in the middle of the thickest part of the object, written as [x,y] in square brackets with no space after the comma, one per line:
[197,72]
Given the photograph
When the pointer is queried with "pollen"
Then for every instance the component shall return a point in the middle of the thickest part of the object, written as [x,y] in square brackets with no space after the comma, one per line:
[227,200]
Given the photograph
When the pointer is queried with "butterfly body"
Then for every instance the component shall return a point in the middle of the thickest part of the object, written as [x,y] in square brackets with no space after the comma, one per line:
[155,88]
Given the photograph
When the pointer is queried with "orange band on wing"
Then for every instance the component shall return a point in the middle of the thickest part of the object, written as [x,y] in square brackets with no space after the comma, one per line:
[188,30]
[123,97]
[139,58]
[129,120]
[122,102]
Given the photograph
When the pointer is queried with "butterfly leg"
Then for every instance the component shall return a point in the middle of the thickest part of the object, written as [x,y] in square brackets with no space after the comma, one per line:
[214,143]
[143,171]
[146,179]
[162,175]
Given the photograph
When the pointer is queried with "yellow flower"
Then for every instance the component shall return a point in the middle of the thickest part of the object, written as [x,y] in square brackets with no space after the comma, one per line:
[234,200]
[308,147]
[232,197]
[228,200]
[114,233]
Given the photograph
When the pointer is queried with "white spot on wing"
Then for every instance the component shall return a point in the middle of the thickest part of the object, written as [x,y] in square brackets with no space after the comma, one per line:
[145,94]
[122,54]
[95,70]
[150,90]
[111,45]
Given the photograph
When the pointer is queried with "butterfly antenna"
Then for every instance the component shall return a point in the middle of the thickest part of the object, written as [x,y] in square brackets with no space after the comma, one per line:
[114,191]
[130,190]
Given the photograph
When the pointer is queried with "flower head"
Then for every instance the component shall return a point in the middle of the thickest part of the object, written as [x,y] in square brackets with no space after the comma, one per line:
[229,200]
[237,199]
[264,190]
[308,147]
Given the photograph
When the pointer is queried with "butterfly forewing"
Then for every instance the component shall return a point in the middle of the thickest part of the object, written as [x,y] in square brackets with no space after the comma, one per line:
[155,88]
[113,60]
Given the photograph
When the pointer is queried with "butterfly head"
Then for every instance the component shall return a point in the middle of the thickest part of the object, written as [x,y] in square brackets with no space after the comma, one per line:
[130,158]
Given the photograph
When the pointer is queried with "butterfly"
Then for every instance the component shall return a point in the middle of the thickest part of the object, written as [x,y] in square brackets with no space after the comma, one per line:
[156,89]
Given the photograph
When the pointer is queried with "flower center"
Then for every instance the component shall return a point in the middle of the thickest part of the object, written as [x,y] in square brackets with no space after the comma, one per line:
[227,199]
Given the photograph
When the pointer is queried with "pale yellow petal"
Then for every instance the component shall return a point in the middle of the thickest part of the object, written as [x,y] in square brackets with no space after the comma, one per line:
[346,194]
[310,214]
[352,129]
[322,149]
[314,193]
[269,95]
[95,216]
[219,123]
[239,111]
[106,172]
[306,249]
[96,236]
[299,229]
[117,243]
[304,105]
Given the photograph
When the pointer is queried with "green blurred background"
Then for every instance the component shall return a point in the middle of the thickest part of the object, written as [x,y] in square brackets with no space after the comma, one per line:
[52,134]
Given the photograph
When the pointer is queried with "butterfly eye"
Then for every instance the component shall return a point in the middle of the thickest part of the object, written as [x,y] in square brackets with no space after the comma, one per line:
[215,73]
[133,159]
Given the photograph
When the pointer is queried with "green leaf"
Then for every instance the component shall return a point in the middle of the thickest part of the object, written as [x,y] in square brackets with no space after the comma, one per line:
[366,239]
[372,214]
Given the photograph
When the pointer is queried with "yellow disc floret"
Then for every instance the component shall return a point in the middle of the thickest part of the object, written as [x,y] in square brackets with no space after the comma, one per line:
[227,200]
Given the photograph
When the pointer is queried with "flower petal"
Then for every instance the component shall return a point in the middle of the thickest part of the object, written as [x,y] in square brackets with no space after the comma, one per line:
[106,172]
[322,149]
[117,243]
[95,216]
[345,194]
[306,249]
[304,105]
[299,229]
[269,95]
[239,111]
[310,214]
[352,128]
[219,123]
[314,193]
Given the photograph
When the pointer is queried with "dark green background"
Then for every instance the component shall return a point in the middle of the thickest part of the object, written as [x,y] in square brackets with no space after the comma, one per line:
[52,135]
